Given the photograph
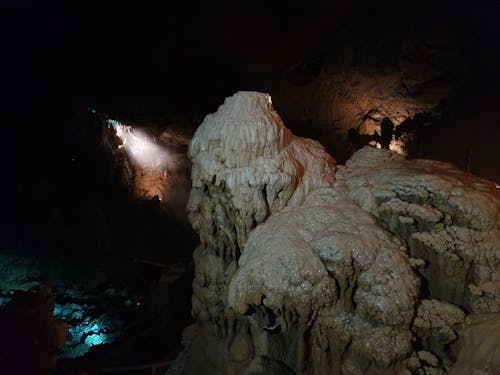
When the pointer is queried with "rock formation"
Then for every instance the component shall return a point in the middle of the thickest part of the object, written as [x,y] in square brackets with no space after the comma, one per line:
[148,165]
[31,338]
[375,267]
[447,218]
[366,82]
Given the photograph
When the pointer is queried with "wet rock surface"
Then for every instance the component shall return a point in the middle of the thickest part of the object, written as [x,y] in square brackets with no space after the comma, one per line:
[99,300]
[378,268]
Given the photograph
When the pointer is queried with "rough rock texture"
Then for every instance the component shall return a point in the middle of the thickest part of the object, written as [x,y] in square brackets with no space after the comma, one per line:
[328,270]
[365,81]
[436,325]
[449,219]
[305,267]
[149,165]
[246,166]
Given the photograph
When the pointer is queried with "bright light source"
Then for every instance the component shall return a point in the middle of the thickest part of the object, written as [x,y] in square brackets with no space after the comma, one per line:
[143,151]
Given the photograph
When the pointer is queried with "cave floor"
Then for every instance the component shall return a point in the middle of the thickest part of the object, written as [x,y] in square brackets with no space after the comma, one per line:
[102,298]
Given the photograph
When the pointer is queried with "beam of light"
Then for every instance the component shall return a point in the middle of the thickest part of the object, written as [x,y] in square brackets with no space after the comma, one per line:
[142,150]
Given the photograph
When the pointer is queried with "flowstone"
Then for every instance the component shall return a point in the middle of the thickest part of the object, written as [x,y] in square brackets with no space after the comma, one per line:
[309,267]
[447,218]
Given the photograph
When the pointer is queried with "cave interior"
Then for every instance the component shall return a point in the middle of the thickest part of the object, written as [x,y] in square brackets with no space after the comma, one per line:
[101,103]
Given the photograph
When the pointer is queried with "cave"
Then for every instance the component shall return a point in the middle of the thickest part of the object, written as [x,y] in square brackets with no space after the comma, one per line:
[280,187]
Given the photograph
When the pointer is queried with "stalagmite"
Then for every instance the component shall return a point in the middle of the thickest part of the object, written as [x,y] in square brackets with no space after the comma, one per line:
[309,267]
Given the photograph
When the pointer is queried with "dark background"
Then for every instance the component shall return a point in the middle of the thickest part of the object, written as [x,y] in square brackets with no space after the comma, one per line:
[145,60]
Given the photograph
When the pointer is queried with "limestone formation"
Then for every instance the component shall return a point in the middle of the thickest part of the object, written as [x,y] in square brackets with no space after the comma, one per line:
[376,267]
[448,218]
[479,351]
[327,271]
[246,166]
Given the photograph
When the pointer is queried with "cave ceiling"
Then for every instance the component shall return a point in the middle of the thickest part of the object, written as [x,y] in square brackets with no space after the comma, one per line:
[330,66]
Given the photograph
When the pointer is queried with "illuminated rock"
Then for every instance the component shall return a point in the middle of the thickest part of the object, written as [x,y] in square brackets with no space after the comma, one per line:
[246,166]
[327,268]
[363,84]
[448,218]
[309,267]
[150,167]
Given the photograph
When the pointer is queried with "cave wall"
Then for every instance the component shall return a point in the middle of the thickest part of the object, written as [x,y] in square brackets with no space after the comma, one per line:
[363,78]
